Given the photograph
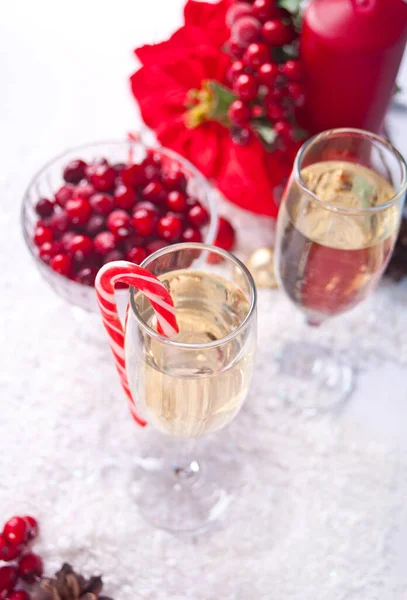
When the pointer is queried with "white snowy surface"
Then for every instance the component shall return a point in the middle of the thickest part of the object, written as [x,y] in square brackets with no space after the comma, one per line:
[322,514]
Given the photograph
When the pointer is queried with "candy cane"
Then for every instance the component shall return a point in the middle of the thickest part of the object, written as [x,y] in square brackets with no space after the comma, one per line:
[159,297]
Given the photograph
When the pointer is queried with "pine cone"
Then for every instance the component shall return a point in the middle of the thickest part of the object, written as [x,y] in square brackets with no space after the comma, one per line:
[68,585]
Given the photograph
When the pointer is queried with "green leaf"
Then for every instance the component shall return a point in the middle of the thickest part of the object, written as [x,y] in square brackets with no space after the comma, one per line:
[267,133]
[293,6]
[364,190]
[223,98]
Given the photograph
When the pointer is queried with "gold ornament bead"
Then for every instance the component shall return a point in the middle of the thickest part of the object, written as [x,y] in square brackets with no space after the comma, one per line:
[261,265]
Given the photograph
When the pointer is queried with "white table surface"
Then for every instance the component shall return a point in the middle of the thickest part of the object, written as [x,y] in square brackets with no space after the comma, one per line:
[322,515]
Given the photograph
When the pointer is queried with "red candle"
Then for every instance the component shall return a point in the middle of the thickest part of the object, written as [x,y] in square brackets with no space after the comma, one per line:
[351,51]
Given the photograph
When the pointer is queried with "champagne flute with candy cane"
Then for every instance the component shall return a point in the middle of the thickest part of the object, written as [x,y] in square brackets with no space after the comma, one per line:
[185,359]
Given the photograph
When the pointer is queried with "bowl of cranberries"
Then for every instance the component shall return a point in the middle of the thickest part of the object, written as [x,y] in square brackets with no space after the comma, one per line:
[111,201]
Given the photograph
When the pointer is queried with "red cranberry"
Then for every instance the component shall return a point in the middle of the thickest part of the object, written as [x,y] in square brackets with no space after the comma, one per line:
[102,203]
[80,247]
[18,595]
[104,242]
[132,241]
[191,235]
[95,225]
[118,222]
[278,33]
[258,111]
[152,166]
[66,239]
[144,221]
[86,276]
[42,235]
[256,54]
[125,197]
[30,567]
[239,113]
[292,70]
[9,551]
[33,527]
[154,192]
[275,111]
[84,190]
[61,263]
[136,255]
[225,239]
[48,250]
[176,202]
[241,135]
[64,194]
[75,171]
[198,216]
[236,68]
[103,178]
[59,222]
[236,11]
[245,31]
[174,180]
[155,245]
[91,168]
[268,73]
[16,531]
[8,579]
[246,87]
[146,204]
[133,176]
[119,167]
[169,228]
[112,256]
[284,129]
[265,9]
[296,92]
[44,208]
[234,49]
[78,211]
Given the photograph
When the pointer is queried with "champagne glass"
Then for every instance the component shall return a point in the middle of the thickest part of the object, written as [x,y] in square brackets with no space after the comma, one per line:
[192,385]
[336,229]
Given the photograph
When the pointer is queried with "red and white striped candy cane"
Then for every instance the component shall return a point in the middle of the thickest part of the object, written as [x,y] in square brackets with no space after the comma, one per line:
[153,289]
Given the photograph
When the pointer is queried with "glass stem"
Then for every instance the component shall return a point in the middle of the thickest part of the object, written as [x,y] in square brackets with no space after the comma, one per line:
[186,469]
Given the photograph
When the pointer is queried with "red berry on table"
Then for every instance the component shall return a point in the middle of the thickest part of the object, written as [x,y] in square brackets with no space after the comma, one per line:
[33,527]
[86,276]
[30,567]
[198,216]
[118,222]
[191,235]
[136,255]
[256,54]
[103,178]
[246,87]
[61,263]
[64,194]
[277,33]
[155,245]
[113,255]
[125,197]
[176,202]
[74,171]
[48,250]
[264,10]
[133,175]
[144,221]
[154,192]
[245,31]
[42,235]
[292,70]
[236,11]
[84,190]
[18,595]
[80,247]
[226,235]
[78,211]
[235,69]
[44,208]
[296,93]
[59,222]
[8,579]
[104,242]
[169,228]
[239,113]
[283,128]
[174,180]
[9,551]
[102,203]
[268,73]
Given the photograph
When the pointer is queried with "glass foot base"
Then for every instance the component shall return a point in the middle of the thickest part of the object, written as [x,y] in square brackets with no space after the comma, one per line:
[186,495]
[311,379]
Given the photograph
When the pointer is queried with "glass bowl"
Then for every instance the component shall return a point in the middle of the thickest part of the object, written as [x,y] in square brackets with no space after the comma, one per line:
[49,179]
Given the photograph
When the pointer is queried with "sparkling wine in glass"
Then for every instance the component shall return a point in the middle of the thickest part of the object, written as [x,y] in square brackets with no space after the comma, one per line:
[336,230]
[191,385]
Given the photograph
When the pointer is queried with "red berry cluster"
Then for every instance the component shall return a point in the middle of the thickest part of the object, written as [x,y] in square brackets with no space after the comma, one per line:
[268,85]
[108,212]
[18,532]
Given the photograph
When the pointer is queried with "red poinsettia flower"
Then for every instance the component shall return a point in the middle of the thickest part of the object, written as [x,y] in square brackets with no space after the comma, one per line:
[175,93]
